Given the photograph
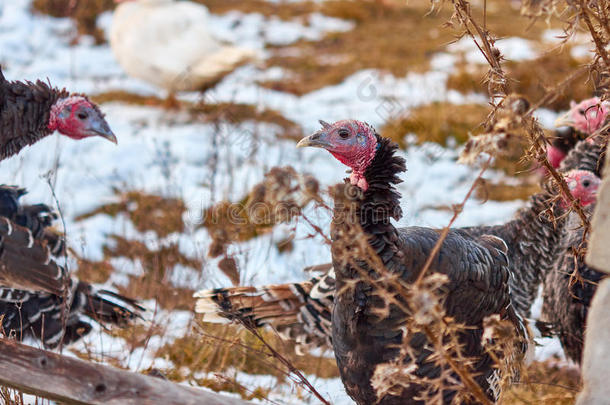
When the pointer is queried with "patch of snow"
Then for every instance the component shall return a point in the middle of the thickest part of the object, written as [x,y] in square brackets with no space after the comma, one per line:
[583,52]
[546,117]
[442,61]
[256,31]
[513,48]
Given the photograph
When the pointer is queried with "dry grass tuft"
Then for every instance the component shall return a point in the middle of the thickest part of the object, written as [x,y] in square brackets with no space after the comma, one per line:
[84,12]
[279,198]
[128,98]
[221,348]
[282,10]
[219,113]
[148,212]
[503,191]
[531,78]
[158,266]
[94,271]
[545,383]
[393,36]
[437,122]
[160,217]
[235,113]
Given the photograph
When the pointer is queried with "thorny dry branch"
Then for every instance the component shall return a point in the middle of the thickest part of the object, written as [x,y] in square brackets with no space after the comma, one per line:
[293,370]
[499,90]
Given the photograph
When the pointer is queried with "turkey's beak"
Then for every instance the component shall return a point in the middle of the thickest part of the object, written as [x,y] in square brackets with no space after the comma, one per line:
[99,127]
[318,139]
[564,121]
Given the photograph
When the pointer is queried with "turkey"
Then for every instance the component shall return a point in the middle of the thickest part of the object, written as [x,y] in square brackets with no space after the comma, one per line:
[169,44]
[34,305]
[30,111]
[586,117]
[366,333]
[312,300]
[569,288]
[581,121]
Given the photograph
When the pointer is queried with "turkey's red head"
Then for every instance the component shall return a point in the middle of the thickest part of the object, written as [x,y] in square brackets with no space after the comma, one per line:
[352,142]
[587,116]
[583,185]
[78,118]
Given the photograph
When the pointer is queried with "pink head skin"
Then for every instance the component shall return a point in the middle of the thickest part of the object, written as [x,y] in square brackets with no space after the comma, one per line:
[77,118]
[555,156]
[587,116]
[583,185]
[351,142]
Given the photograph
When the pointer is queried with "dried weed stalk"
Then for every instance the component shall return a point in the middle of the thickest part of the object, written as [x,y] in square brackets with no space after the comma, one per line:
[280,197]
[513,115]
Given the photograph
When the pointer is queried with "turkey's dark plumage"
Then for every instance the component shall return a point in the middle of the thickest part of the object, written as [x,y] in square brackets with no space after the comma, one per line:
[568,291]
[476,266]
[24,113]
[37,298]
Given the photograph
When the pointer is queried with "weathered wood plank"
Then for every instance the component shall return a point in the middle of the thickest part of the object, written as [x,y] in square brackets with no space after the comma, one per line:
[595,366]
[74,381]
[598,254]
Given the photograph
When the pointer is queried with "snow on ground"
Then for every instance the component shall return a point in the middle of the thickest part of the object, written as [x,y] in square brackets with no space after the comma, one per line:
[514,49]
[166,152]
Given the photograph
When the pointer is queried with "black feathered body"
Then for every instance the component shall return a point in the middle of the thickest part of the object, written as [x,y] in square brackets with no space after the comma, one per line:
[24,113]
[531,238]
[569,289]
[362,336]
[37,297]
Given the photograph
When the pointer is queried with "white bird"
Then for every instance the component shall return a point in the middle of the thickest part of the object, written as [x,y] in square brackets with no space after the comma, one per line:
[167,43]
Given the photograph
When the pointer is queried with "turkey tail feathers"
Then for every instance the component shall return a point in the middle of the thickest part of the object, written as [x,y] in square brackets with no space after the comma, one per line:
[105,306]
[275,304]
[297,311]
[25,263]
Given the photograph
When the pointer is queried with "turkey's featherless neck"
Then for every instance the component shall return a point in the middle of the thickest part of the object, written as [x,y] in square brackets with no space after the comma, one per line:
[381,201]
[371,209]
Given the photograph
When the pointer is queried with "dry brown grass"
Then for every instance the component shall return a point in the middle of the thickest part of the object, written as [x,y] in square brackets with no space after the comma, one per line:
[506,192]
[218,348]
[545,383]
[282,10]
[148,213]
[84,12]
[393,36]
[221,113]
[531,78]
[278,198]
[437,122]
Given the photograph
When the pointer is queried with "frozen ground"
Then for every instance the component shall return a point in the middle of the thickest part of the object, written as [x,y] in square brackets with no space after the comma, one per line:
[166,153]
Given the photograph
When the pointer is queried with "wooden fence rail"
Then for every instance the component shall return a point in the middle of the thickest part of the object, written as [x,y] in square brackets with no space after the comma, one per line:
[74,381]
[596,355]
